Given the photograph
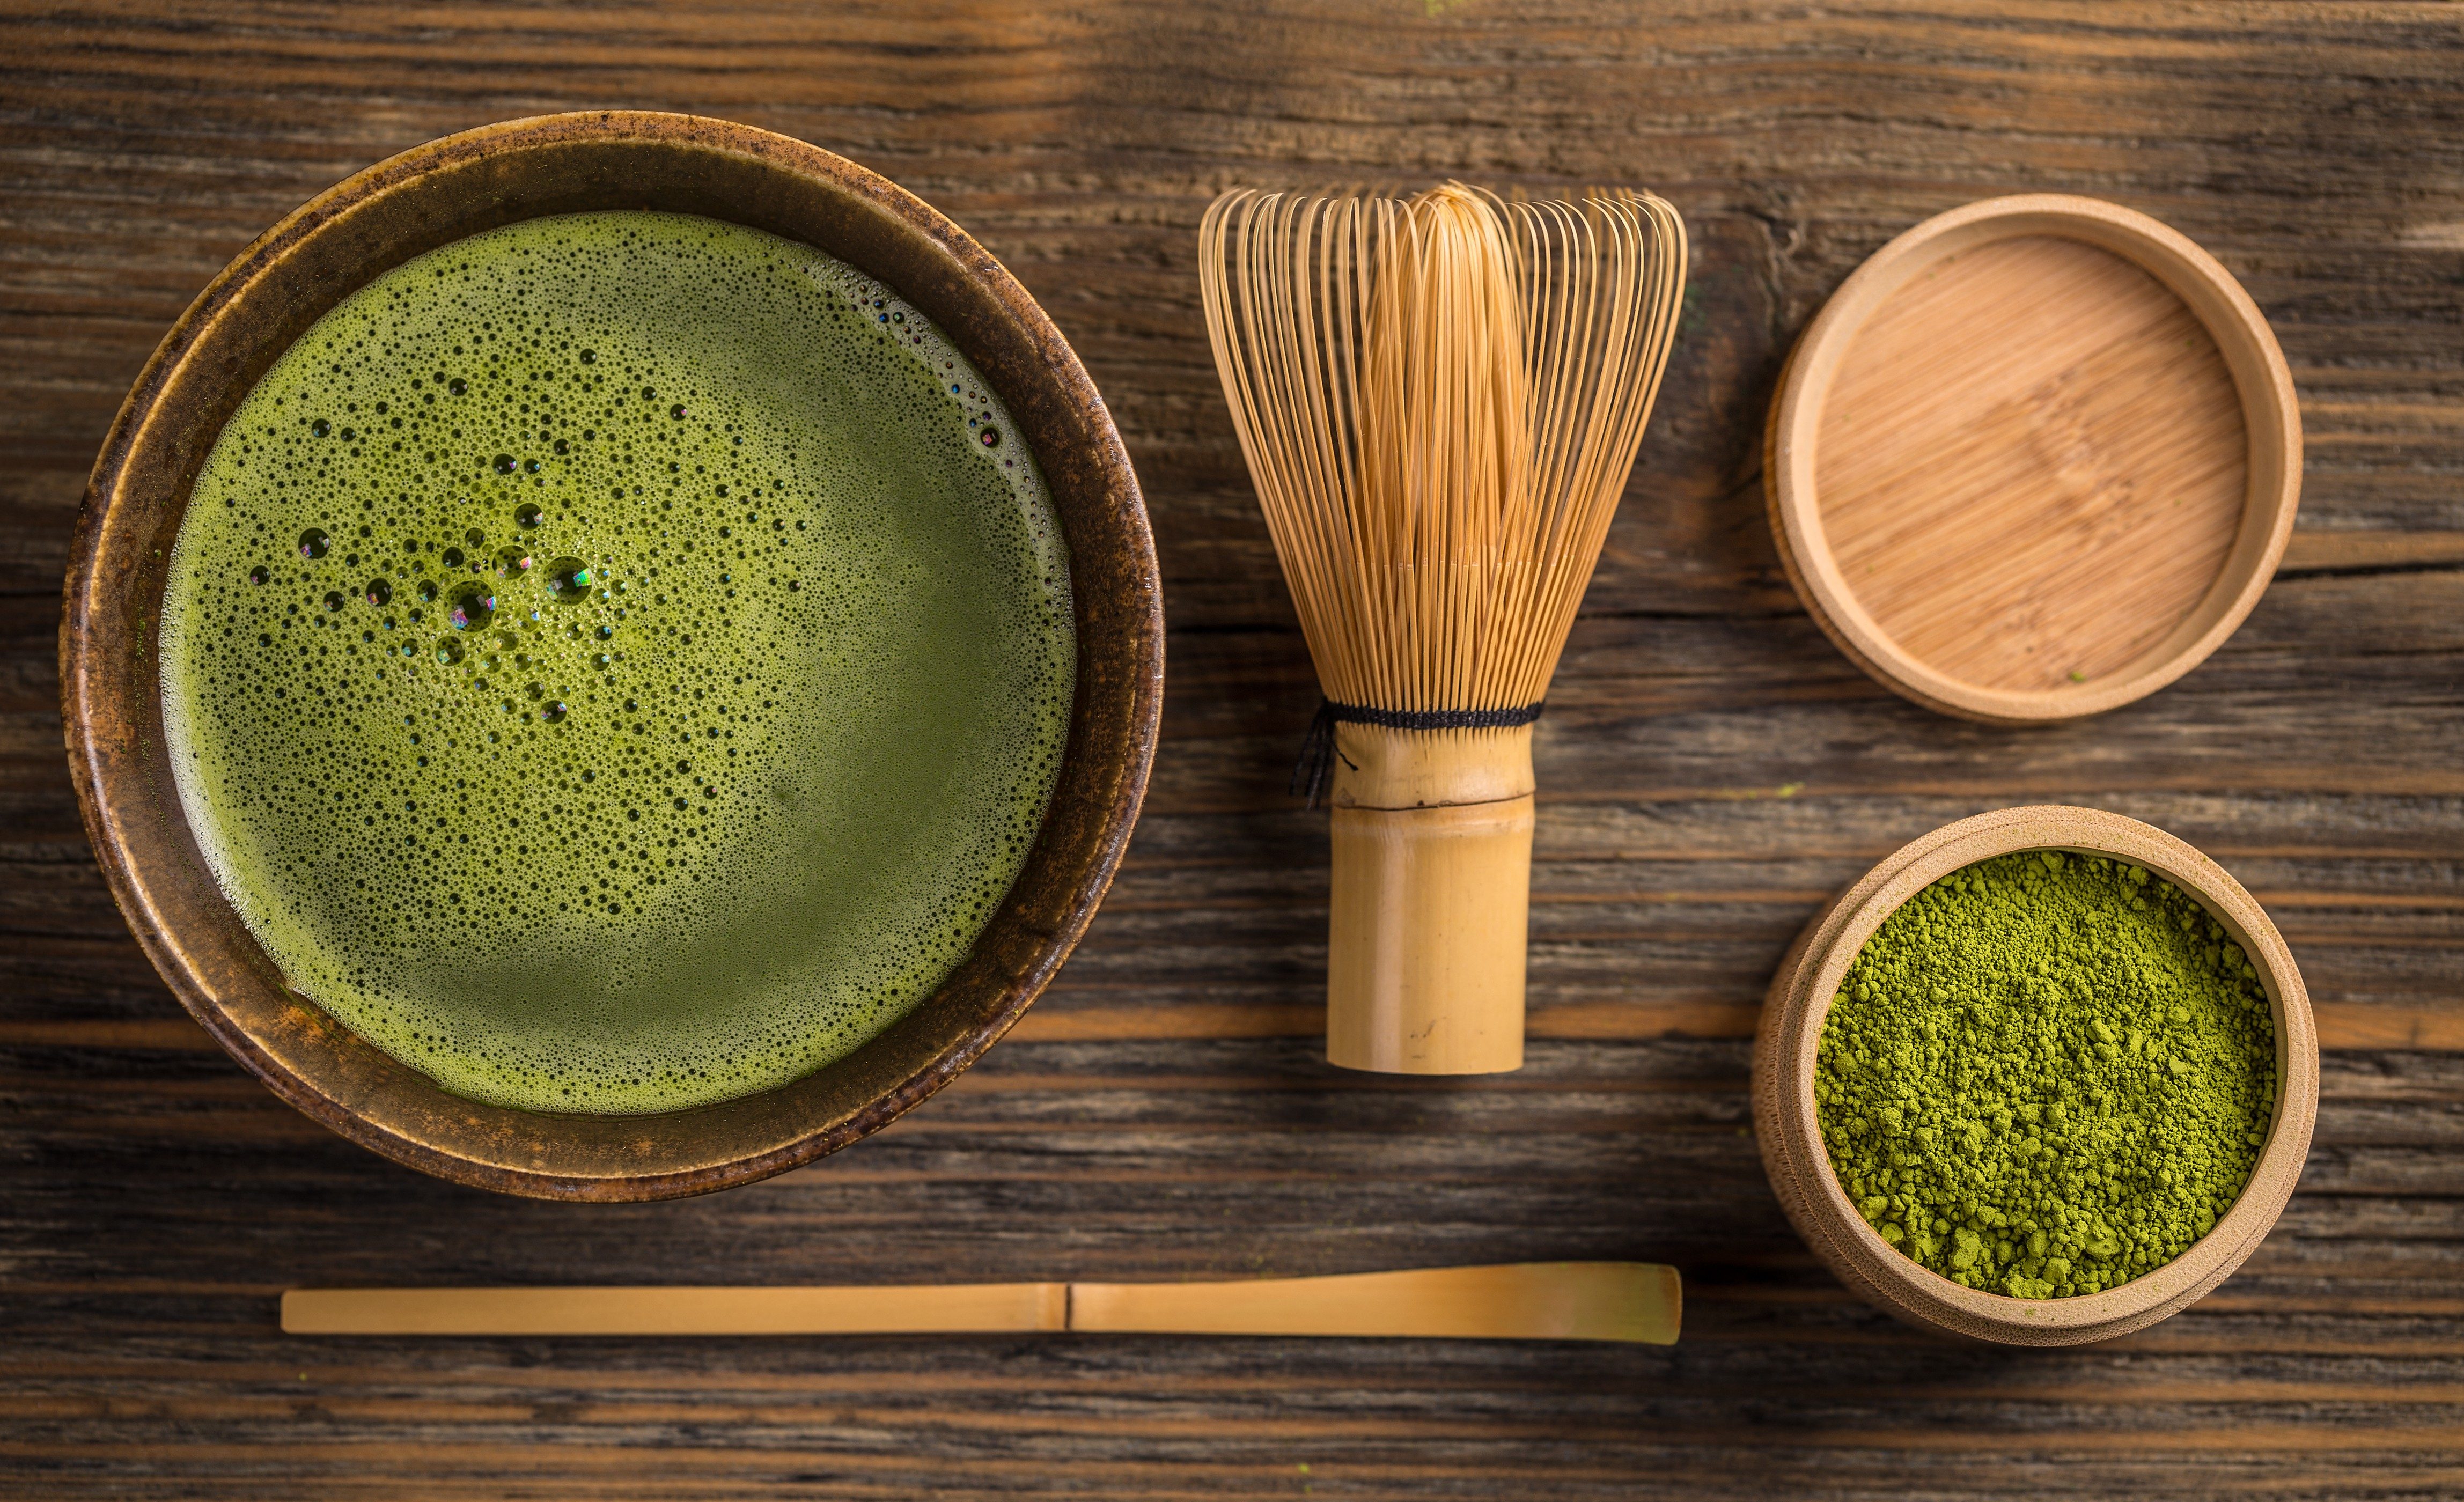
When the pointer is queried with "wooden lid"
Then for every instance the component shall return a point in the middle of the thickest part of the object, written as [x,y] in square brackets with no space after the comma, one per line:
[2034,459]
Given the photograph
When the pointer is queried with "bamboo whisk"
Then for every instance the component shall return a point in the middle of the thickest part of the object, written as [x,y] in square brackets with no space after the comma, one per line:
[1439,400]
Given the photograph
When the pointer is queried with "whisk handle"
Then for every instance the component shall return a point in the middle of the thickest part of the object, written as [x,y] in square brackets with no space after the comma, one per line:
[1430,900]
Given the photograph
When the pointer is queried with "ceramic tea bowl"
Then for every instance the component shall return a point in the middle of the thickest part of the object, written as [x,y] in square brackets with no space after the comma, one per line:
[330,248]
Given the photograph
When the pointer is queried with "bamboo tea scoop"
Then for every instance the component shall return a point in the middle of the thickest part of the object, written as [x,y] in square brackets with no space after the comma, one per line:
[1636,1301]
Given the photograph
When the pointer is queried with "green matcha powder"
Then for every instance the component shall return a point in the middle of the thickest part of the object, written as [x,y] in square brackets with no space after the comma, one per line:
[2046,1074]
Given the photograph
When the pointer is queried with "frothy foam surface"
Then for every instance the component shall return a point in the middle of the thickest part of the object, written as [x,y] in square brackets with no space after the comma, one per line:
[618,662]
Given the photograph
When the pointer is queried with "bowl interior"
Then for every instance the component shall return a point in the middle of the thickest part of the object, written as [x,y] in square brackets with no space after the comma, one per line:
[2035,458]
[431,196]
[1800,1168]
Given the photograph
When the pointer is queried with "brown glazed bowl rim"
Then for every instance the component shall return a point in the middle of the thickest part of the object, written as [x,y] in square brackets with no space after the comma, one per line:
[1790,1132]
[445,191]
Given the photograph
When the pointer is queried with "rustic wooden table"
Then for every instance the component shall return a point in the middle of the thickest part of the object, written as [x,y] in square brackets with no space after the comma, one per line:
[1711,770]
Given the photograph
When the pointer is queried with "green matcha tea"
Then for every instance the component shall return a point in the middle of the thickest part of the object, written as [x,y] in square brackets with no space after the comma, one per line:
[618,662]
[2047,1074]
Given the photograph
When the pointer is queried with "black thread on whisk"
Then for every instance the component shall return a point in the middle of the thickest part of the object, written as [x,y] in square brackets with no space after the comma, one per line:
[1317,748]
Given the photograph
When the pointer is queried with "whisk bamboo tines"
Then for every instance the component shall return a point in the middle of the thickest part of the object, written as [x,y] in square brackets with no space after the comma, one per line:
[1440,400]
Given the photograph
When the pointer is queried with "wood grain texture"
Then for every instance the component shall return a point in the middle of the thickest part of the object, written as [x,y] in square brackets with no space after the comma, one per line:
[1711,771]
[2032,463]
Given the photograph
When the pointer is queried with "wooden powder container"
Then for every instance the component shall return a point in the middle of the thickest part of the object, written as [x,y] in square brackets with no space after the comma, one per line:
[1788,1127]
[2034,459]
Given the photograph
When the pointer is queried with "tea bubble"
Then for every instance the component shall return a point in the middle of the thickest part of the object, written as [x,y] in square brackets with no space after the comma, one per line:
[259,574]
[452,558]
[527,515]
[333,599]
[449,652]
[569,579]
[320,428]
[380,593]
[474,606]
[457,386]
[512,563]
[428,590]
[313,543]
